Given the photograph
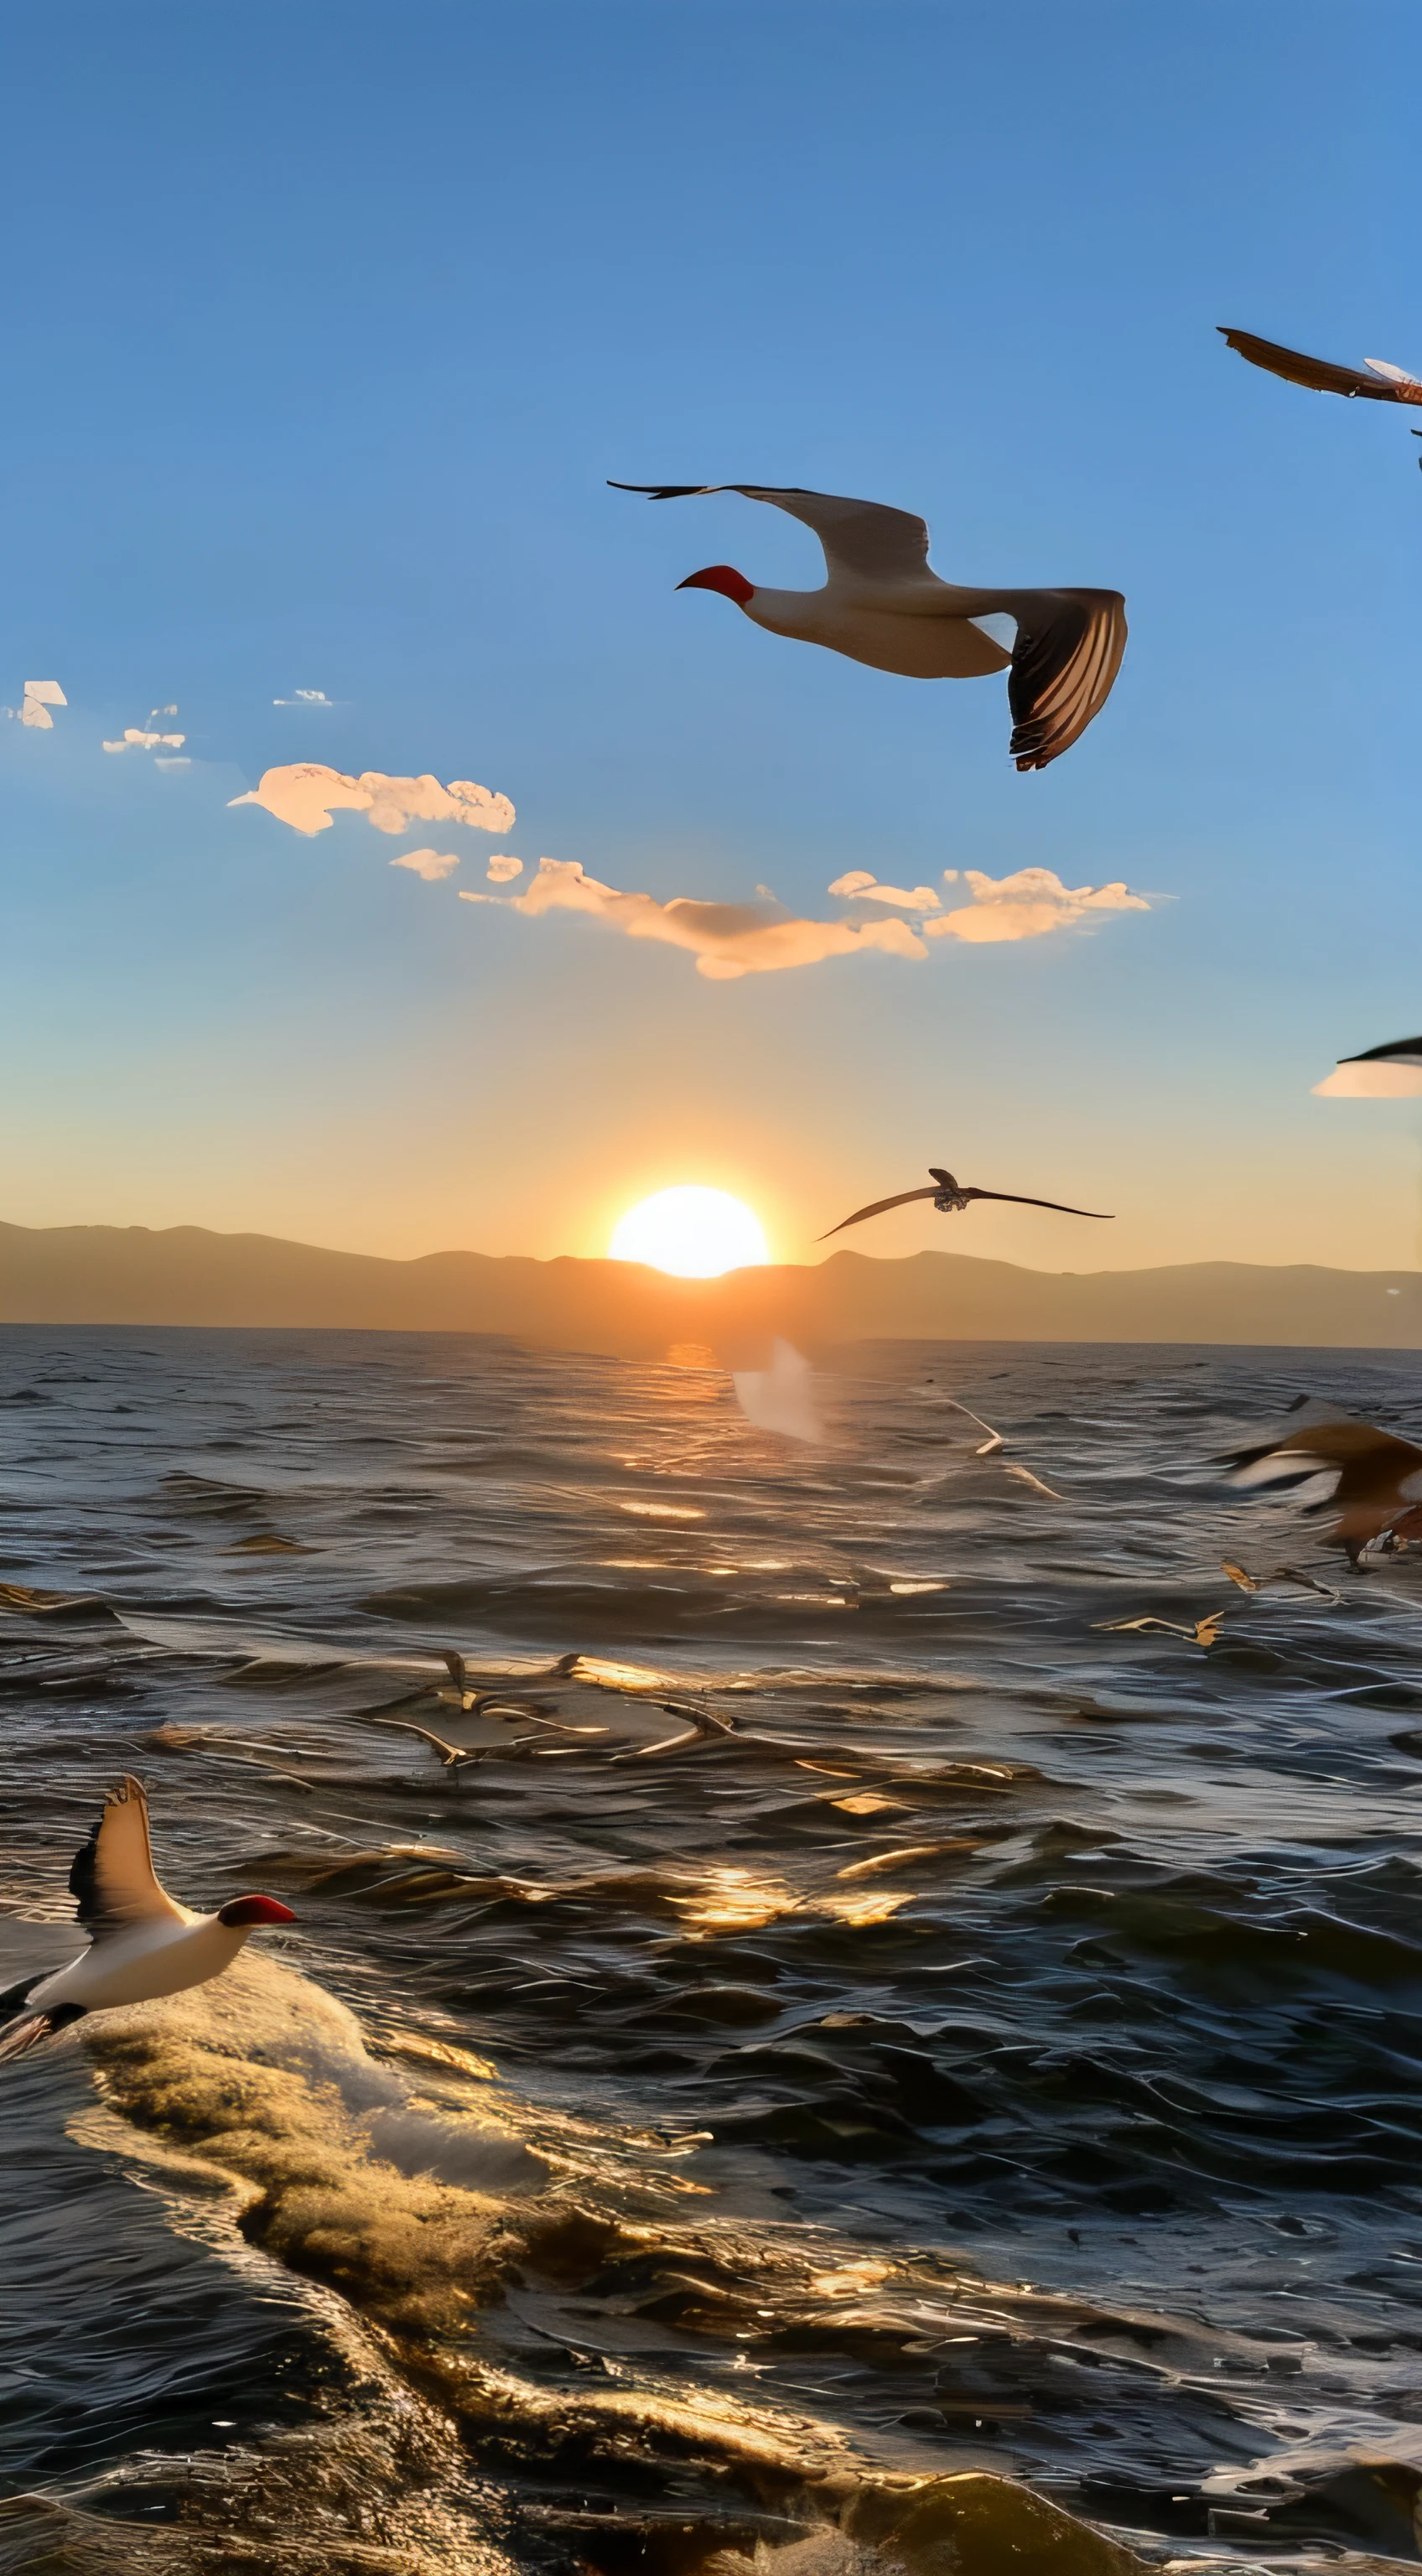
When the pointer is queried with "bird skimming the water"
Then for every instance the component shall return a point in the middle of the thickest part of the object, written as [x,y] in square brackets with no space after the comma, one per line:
[950,1198]
[880,604]
[140,1943]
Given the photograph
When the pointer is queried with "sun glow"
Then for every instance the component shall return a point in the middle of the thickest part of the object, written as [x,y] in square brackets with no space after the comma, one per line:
[693,1233]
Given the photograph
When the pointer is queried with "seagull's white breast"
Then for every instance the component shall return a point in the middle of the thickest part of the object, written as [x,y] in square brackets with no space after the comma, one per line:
[155,1959]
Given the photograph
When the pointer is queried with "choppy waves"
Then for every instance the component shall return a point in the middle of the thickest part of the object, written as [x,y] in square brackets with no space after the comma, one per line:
[864,2057]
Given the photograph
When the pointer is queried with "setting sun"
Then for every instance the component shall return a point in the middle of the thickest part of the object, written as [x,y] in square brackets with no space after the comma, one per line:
[694,1233]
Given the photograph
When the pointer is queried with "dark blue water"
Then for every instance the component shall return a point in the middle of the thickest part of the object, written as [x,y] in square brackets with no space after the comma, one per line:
[958,2034]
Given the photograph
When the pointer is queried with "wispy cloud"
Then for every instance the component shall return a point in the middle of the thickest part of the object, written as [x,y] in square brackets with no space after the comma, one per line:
[726,939]
[1026,906]
[305,698]
[306,795]
[429,864]
[142,738]
[503,868]
[39,697]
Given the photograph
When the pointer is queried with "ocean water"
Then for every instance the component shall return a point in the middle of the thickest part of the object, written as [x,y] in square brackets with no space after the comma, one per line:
[877,2063]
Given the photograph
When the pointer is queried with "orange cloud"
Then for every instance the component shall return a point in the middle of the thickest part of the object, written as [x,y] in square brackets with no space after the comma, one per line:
[1027,906]
[306,793]
[429,864]
[726,939]
[861,887]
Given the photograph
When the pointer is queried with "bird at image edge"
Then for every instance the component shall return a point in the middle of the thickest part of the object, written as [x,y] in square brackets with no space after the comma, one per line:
[880,604]
[140,1943]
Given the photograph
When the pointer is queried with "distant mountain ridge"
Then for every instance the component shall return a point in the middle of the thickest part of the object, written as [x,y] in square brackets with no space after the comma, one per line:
[100,1274]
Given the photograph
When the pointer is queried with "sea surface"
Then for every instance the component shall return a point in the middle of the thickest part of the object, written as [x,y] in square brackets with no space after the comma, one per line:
[904,1993]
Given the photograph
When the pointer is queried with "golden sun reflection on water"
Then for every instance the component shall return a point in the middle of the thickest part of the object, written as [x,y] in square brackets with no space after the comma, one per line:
[743,1900]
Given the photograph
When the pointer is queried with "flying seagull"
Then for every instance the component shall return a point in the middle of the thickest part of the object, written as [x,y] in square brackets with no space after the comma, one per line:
[950,1199]
[141,1943]
[1377,1478]
[880,604]
[453,1756]
[1375,380]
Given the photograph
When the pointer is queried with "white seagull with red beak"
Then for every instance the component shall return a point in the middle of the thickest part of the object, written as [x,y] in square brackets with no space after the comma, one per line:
[1061,649]
[141,1943]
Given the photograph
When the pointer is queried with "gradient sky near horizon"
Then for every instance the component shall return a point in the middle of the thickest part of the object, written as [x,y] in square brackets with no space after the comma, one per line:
[325,325]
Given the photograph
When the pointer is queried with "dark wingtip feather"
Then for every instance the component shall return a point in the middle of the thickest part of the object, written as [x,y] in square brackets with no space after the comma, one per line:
[660,491]
[82,1873]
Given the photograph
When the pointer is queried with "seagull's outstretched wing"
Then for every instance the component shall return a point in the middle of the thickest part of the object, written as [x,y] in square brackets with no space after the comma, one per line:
[1068,652]
[112,1877]
[1357,1450]
[1392,1051]
[1102,1215]
[1376,381]
[865,541]
[877,1209]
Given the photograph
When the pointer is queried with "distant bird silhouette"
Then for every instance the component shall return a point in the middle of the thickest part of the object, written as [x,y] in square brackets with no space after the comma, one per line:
[880,604]
[950,1198]
[1376,380]
[1377,1488]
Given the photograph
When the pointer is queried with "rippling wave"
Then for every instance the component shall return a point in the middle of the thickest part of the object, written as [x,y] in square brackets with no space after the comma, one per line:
[866,2058]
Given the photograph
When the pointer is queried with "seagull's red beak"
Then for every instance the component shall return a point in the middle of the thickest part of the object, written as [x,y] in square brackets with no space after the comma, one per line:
[723,577]
[244,1911]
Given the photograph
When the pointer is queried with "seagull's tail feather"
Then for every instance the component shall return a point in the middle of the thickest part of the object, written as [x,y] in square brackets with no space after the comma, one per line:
[28,2028]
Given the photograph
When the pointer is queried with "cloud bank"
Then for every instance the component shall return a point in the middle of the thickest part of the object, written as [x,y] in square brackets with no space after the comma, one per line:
[733,939]
[726,939]
[305,698]
[503,868]
[1028,906]
[1025,906]
[306,795]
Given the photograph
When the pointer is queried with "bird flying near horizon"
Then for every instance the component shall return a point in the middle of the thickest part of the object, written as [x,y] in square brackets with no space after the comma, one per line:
[882,605]
[951,1197]
[1377,1478]
[140,1943]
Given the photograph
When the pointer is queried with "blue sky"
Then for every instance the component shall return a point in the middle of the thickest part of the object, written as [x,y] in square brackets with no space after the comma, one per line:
[325,326]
